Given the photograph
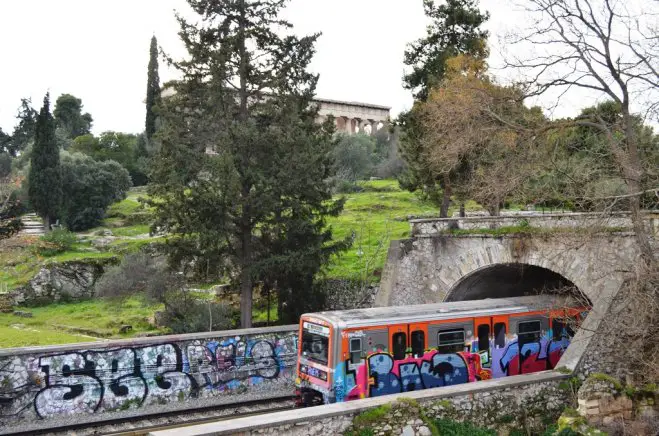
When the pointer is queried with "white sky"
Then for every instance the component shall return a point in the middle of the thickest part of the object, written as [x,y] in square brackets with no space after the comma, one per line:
[98,51]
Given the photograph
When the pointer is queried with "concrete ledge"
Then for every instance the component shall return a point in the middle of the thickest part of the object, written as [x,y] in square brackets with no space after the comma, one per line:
[151,340]
[297,416]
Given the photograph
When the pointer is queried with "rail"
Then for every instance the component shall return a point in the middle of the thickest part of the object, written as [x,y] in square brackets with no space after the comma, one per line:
[143,424]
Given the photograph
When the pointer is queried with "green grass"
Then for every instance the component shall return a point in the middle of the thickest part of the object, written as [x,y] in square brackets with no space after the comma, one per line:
[75,322]
[377,216]
[135,230]
[28,337]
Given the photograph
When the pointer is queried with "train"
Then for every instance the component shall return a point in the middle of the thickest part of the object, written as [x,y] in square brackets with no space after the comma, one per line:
[353,354]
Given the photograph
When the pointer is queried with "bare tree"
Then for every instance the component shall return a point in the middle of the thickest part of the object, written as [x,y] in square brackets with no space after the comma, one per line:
[606,47]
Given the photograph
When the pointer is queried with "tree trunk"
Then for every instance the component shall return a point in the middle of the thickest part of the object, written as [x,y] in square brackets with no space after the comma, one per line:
[462,210]
[246,283]
[446,200]
[46,224]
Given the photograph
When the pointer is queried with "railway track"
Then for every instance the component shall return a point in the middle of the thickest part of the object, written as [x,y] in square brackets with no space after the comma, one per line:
[143,424]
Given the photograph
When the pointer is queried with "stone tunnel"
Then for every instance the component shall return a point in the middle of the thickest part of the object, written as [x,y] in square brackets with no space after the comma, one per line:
[508,280]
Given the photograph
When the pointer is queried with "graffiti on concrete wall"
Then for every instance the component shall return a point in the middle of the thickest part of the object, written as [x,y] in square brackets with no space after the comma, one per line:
[114,379]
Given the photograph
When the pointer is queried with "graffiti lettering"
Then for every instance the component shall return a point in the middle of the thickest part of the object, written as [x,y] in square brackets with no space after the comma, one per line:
[95,381]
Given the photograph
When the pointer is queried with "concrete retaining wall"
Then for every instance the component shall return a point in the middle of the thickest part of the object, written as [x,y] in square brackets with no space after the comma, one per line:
[42,387]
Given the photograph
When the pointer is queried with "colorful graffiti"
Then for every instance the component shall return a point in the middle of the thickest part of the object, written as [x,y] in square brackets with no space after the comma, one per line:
[114,379]
[382,375]
[379,374]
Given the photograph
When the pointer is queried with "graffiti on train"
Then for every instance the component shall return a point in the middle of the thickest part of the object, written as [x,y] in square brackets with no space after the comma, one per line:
[534,356]
[89,381]
[383,375]
[380,374]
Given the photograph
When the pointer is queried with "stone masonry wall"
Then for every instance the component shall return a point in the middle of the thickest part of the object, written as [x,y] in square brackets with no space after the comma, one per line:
[619,220]
[518,402]
[46,386]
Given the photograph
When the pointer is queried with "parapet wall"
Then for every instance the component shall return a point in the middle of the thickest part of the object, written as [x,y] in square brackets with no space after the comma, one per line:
[43,387]
[533,396]
[618,220]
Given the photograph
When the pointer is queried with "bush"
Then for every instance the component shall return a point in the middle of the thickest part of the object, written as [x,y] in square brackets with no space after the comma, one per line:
[89,187]
[5,165]
[148,276]
[185,314]
[354,157]
[54,242]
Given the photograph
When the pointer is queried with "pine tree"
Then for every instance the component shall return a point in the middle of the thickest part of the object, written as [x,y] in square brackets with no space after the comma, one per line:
[45,180]
[455,30]
[240,175]
[152,89]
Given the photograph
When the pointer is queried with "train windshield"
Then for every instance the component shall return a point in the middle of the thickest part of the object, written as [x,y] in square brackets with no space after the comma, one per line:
[315,342]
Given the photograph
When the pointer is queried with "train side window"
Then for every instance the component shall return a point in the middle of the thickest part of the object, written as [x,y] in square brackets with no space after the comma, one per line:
[355,350]
[399,346]
[484,337]
[500,334]
[528,331]
[451,341]
[418,343]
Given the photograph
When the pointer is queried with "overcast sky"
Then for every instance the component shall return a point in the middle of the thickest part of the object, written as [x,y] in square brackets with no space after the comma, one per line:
[98,51]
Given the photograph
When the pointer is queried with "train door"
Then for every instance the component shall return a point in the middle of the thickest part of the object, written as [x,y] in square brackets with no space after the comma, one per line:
[418,339]
[483,339]
[491,345]
[398,341]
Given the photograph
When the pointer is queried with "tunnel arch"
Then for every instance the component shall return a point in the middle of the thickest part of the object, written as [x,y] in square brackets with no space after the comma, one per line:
[502,280]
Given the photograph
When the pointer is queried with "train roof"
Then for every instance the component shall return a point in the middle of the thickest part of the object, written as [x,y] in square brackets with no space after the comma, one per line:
[440,311]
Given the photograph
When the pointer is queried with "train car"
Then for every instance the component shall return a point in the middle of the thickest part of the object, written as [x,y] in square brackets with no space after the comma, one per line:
[352,354]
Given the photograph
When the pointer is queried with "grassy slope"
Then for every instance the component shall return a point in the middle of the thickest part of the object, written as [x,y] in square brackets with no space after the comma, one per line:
[376,215]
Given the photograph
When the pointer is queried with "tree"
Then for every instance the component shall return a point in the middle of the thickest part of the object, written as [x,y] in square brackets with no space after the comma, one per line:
[69,117]
[24,131]
[117,146]
[242,168]
[45,180]
[152,90]
[354,157]
[604,47]
[5,142]
[464,140]
[89,187]
[455,30]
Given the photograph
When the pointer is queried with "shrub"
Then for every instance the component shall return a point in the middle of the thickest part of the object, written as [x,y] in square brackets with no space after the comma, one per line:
[353,157]
[89,187]
[148,276]
[54,242]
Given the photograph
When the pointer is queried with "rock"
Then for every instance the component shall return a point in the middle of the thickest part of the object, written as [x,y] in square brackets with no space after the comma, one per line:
[408,431]
[102,242]
[387,428]
[53,282]
[125,328]
[424,431]
[22,314]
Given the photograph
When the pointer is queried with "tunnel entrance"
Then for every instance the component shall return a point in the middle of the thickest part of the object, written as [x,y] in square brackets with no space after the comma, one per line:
[509,280]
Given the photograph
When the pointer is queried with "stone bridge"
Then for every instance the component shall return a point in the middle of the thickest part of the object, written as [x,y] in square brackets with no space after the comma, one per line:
[457,259]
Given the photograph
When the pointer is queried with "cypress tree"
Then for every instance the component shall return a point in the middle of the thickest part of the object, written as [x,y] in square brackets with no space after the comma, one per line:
[45,180]
[241,173]
[152,89]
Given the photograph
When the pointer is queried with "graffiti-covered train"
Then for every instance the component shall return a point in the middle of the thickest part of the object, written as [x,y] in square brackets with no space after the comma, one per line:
[353,354]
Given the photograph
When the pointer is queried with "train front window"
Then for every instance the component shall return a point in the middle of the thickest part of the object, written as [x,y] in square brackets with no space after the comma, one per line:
[315,342]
